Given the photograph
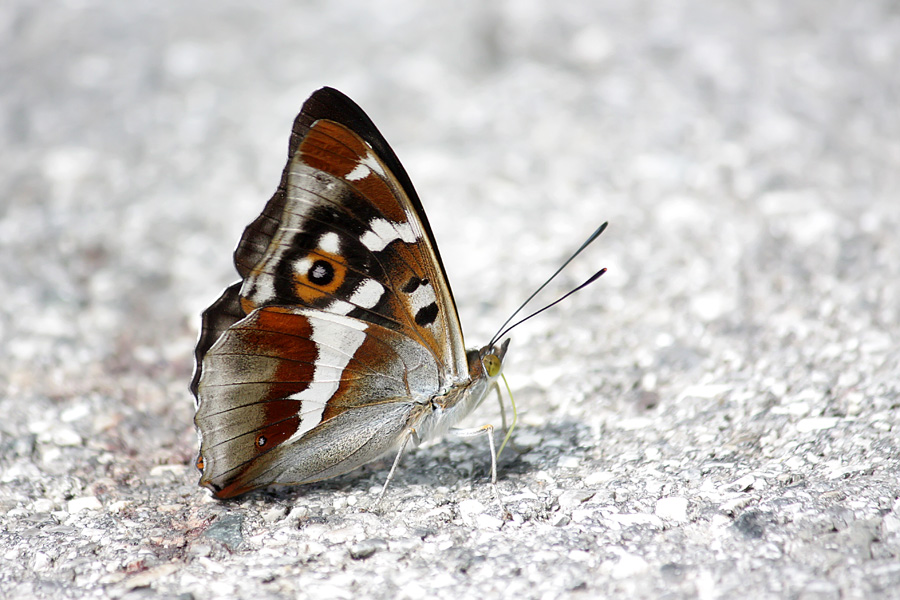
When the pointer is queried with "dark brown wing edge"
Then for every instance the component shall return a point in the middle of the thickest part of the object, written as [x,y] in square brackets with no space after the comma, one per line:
[221,314]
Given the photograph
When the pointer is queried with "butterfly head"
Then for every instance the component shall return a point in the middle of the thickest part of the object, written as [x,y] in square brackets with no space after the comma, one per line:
[488,361]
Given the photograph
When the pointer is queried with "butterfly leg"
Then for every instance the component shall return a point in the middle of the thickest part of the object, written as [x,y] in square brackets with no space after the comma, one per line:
[489,431]
[507,429]
[495,387]
[410,435]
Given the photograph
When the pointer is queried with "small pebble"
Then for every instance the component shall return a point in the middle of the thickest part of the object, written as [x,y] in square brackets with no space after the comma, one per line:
[367,548]
[673,508]
[84,503]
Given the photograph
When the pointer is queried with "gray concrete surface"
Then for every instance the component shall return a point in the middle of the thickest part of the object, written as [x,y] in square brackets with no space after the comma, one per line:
[717,418]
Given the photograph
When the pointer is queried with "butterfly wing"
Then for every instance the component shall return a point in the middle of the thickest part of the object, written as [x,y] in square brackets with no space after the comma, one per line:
[344,232]
[343,248]
[279,384]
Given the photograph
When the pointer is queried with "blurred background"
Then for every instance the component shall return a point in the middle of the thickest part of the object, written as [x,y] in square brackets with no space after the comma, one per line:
[747,156]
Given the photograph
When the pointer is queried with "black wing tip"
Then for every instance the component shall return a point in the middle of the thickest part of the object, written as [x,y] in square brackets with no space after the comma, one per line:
[330,92]
[334,105]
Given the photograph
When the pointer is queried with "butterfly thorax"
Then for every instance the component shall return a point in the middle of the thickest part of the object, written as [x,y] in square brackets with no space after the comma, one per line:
[448,409]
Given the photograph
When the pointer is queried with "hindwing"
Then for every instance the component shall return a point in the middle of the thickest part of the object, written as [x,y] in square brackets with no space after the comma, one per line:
[280,373]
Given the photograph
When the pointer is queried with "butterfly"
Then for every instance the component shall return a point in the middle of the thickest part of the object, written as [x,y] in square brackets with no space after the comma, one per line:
[341,342]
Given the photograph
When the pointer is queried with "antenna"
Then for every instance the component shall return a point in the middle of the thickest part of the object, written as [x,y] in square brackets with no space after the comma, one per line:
[504,329]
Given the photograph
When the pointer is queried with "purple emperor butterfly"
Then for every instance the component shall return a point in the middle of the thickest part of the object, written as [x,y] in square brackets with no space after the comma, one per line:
[341,342]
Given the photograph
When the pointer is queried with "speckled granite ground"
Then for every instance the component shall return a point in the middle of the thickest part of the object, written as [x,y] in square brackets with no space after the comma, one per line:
[717,418]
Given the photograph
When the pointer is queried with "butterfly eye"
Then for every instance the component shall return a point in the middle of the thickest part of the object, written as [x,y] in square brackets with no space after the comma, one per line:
[491,364]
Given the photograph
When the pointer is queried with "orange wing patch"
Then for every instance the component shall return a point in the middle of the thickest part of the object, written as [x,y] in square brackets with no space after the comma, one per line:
[317,275]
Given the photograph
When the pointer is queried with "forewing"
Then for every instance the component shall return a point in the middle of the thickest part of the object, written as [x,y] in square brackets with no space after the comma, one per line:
[346,233]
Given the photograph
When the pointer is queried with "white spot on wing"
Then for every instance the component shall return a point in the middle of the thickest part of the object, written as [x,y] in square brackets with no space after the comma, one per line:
[330,242]
[336,343]
[258,290]
[422,297]
[303,265]
[368,164]
[382,232]
[360,171]
[367,294]
[339,307]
